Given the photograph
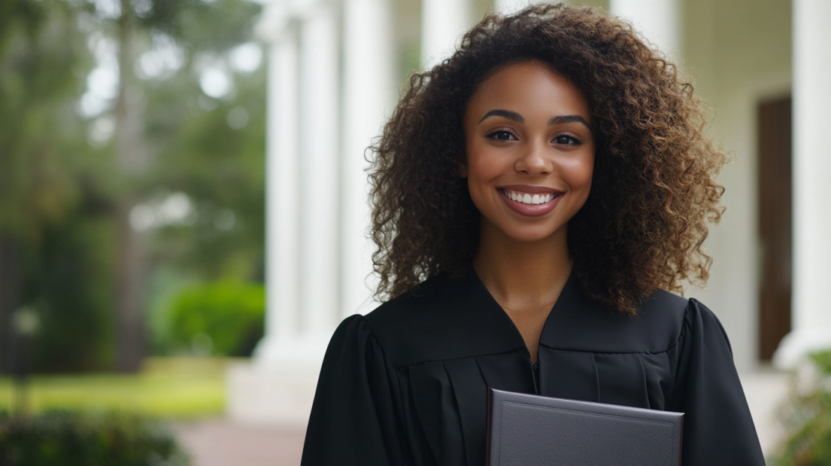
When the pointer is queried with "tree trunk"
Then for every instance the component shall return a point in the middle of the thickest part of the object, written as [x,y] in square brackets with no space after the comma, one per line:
[129,318]
[10,283]
[131,161]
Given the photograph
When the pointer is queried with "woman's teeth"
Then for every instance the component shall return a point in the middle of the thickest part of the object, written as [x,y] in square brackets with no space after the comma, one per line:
[526,198]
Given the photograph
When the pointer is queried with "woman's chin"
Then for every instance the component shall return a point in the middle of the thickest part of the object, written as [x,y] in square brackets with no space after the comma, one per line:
[511,230]
[531,235]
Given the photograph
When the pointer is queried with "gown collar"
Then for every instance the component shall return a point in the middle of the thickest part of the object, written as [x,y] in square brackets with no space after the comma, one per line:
[443,320]
[571,307]
[577,323]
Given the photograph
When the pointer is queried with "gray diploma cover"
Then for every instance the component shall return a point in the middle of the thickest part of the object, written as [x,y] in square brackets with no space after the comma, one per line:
[531,430]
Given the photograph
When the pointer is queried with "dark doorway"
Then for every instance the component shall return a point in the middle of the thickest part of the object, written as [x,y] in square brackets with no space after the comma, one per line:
[774,194]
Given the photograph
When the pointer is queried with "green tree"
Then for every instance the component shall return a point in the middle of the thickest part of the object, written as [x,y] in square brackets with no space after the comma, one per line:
[72,179]
[148,115]
[51,226]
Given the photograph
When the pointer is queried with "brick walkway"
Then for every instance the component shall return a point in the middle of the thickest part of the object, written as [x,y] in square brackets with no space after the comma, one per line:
[220,442]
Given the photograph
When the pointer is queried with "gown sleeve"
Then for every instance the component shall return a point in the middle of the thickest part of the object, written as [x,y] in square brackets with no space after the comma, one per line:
[718,428]
[352,419]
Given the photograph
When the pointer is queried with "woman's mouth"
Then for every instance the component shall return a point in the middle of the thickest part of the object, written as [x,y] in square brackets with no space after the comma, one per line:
[532,201]
[528,198]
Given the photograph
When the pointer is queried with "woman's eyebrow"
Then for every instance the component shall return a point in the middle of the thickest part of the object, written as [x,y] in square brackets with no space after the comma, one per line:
[559,120]
[514,116]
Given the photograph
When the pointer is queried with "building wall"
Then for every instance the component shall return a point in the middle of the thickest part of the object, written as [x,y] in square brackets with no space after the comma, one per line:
[738,53]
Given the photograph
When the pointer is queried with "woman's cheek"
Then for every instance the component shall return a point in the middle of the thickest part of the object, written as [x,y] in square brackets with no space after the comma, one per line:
[582,173]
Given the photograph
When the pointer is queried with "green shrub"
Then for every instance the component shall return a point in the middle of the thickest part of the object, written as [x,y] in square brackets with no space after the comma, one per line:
[224,318]
[807,416]
[66,438]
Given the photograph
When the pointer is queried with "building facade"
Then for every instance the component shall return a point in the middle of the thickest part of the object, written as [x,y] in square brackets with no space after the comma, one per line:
[336,68]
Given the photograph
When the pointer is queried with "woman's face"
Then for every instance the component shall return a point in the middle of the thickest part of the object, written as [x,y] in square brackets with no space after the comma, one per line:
[530,151]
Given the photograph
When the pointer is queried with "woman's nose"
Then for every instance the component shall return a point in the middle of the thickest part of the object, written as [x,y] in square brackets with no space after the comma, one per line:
[534,160]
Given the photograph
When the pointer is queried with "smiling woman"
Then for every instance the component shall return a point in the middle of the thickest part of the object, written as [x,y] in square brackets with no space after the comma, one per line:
[529,163]
[537,198]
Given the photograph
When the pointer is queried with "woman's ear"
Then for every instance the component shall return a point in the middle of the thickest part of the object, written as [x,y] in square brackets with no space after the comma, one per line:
[463,170]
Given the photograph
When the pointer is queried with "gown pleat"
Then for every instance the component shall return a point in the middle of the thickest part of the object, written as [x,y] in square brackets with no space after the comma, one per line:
[470,390]
[568,374]
[621,380]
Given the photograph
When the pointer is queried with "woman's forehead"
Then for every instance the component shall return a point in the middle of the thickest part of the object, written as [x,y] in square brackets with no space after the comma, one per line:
[530,88]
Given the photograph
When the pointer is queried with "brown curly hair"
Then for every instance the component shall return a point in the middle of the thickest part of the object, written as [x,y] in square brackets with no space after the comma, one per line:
[653,188]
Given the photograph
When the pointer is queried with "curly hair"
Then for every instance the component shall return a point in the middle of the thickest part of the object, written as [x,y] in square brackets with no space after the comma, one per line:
[653,188]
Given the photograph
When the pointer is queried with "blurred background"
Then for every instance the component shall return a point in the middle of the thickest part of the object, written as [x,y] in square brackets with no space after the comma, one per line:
[183,209]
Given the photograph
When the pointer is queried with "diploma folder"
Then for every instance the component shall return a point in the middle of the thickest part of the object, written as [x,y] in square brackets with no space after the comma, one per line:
[532,430]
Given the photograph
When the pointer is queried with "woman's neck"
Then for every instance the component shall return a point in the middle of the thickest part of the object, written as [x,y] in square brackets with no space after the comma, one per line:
[526,279]
[522,276]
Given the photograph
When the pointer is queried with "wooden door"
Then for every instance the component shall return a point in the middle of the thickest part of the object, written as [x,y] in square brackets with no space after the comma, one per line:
[775,196]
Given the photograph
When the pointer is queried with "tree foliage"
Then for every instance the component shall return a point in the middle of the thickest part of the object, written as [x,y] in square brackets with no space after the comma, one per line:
[59,183]
[223,318]
[50,210]
[807,416]
[57,438]
[42,64]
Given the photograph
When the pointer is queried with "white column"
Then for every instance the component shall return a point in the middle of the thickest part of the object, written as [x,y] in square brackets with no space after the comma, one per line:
[282,191]
[317,191]
[302,263]
[443,23]
[811,308]
[369,95]
[658,20]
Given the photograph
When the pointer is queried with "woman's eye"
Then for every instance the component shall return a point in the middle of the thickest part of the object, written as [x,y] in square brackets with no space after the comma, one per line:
[566,140]
[501,135]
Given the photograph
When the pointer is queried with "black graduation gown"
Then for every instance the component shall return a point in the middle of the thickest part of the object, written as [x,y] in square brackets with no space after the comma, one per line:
[407,383]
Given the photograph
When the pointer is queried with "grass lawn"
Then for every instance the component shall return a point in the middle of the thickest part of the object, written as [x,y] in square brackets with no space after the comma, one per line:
[178,388]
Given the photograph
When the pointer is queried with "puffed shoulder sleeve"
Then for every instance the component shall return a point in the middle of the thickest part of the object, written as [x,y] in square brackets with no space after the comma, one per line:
[718,429]
[352,419]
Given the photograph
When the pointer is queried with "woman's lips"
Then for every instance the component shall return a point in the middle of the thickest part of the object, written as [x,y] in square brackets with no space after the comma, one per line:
[530,209]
